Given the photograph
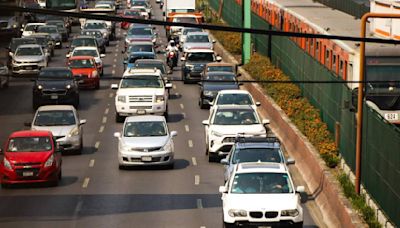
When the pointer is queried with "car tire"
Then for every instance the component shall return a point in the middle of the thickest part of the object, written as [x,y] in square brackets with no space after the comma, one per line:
[97,86]
[80,149]
[185,81]
[228,225]
[121,167]
[118,118]
[298,225]
[212,157]
[202,105]
[60,175]
[5,185]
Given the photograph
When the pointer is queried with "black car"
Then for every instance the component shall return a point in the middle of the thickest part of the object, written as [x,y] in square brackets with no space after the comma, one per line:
[212,83]
[55,85]
[194,62]
[101,42]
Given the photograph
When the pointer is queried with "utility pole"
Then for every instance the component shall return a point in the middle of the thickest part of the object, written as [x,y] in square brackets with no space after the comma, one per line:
[246,37]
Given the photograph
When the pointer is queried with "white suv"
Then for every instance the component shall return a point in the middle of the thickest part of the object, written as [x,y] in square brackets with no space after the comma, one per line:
[226,123]
[261,194]
[141,91]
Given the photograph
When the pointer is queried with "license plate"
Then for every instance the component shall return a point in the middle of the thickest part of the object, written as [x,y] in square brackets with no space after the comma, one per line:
[141,111]
[28,68]
[391,116]
[54,97]
[27,174]
[264,227]
[146,159]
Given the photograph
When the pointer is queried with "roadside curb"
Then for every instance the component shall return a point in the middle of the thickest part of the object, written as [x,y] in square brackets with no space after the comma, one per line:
[322,185]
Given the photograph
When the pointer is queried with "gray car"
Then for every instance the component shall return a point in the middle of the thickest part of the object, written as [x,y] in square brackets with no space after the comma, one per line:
[54,33]
[28,59]
[63,122]
[198,40]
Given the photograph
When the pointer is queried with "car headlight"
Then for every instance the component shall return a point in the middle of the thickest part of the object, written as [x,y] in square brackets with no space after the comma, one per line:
[237,213]
[74,132]
[105,35]
[49,161]
[159,98]
[291,213]
[208,93]
[39,87]
[190,67]
[94,74]
[7,164]
[216,133]
[68,86]
[167,147]
[121,99]
[154,40]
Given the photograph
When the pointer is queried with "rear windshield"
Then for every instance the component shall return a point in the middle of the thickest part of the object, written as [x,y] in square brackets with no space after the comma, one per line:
[55,118]
[29,144]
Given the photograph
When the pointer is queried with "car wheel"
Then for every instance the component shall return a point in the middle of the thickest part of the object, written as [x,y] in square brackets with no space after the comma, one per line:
[97,86]
[80,149]
[202,105]
[118,118]
[5,185]
[121,167]
[212,157]
[60,175]
[228,225]
[184,79]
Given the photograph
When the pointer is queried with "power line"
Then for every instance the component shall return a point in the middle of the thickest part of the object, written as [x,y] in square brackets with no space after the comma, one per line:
[8,8]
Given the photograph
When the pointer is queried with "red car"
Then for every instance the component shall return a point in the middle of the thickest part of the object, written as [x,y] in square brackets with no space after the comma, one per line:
[30,157]
[129,13]
[86,67]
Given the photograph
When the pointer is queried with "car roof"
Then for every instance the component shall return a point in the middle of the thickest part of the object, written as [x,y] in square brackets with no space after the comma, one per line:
[38,34]
[35,23]
[141,42]
[30,133]
[55,107]
[220,64]
[145,118]
[198,33]
[257,142]
[80,57]
[85,48]
[220,73]
[224,107]
[142,71]
[29,45]
[233,91]
[149,61]
[84,36]
[261,167]
[197,50]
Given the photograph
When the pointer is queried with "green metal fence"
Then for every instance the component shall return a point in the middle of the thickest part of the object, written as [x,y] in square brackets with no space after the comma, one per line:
[381,155]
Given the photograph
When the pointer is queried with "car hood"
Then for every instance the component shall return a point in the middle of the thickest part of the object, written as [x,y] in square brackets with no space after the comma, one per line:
[29,58]
[198,63]
[197,45]
[145,142]
[140,91]
[264,202]
[27,157]
[56,130]
[84,71]
[217,86]
[252,129]
[54,84]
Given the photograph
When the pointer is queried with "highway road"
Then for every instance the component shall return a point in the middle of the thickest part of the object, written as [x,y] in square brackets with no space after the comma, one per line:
[93,191]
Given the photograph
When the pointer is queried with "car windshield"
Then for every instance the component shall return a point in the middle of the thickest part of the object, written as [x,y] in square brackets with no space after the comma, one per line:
[135,13]
[83,42]
[159,66]
[185,20]
[132,59]
[186,31]
[87,52]
[48,29]
[140,31]
[204,57]
[31,28]
[29,144]
[95,25]
[59,24]
[138,3]
[221,77]
[141,48]
[236,99]
[81,63]
[220,68]
[15,43]
[55,74]
[55,118]
[261,183]
[141,82]
[256,154]
[145,129]
[235,117]
[22,51]
[197,39]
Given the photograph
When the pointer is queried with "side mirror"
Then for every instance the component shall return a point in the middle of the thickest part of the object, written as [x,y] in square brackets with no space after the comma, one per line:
[258,103]
[102,55]
[28,124]
[11,54]
[205,122]
[168,85]
[67,55]
[125,61]
[265,121]
[81,122]
[174,133]
[219,58]
[59,148]
[224,161]
[300,189]
[223,189]
[117,135]
[114,86]
[239,75]
[214,41]
[183,58]
[290,161]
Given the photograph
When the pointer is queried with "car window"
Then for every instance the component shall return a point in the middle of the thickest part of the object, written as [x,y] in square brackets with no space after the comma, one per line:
[141,48]
[95,25]
[134,13]
[186,31]
[81,63]
[235,117]
[159,66]
[197,39]
[207,57]
[220,68]
[28,51]
[220,77]
[141,82]
[16,42]
[237,99]
[145,129]
[29,144]
[83,42]
[185,20]
[55,74]
[256,154]
[48,29]
[261,183]
[85,52]
[140,31]
[55,118]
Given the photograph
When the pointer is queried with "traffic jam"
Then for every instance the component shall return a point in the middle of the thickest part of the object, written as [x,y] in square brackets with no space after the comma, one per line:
[257,188]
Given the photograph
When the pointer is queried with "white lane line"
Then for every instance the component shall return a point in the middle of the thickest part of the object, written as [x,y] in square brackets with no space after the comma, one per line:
[187,128]
[97,145]
[183,115]
[177,94]
[194,161]
[190,143]
[106,111]
[196,179]
[85,182]
[115,60]
[104,120]
[202,227]
[101,129]
[199,204]
[77,209]
[113,72]
[116,55]
[111,95]
[182,106]
[91,163]
[114,66]
[116,49]
[174,86]
[117,44]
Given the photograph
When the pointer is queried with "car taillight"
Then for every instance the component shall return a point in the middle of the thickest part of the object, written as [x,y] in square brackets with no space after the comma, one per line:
[171,54]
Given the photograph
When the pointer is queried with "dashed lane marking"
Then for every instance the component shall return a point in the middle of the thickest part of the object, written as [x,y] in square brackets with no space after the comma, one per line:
[113,72]
[115,60]
[194,161]
[104,120]
[190,143]
[116,55]
[199,204]
[97,145]
[85,182]
[106,111]
[111,95]
[183,115]
[101,129]
[91,163]
[174,86]
[116,49]
[114,65]
[187,128]
[196,179]
[182,106]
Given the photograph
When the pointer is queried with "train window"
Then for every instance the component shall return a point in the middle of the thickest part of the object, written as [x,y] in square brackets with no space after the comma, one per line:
[349,71]
[317,52]
[307,46]
[334,63]
[341,68]
[327,58]
[311,46]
